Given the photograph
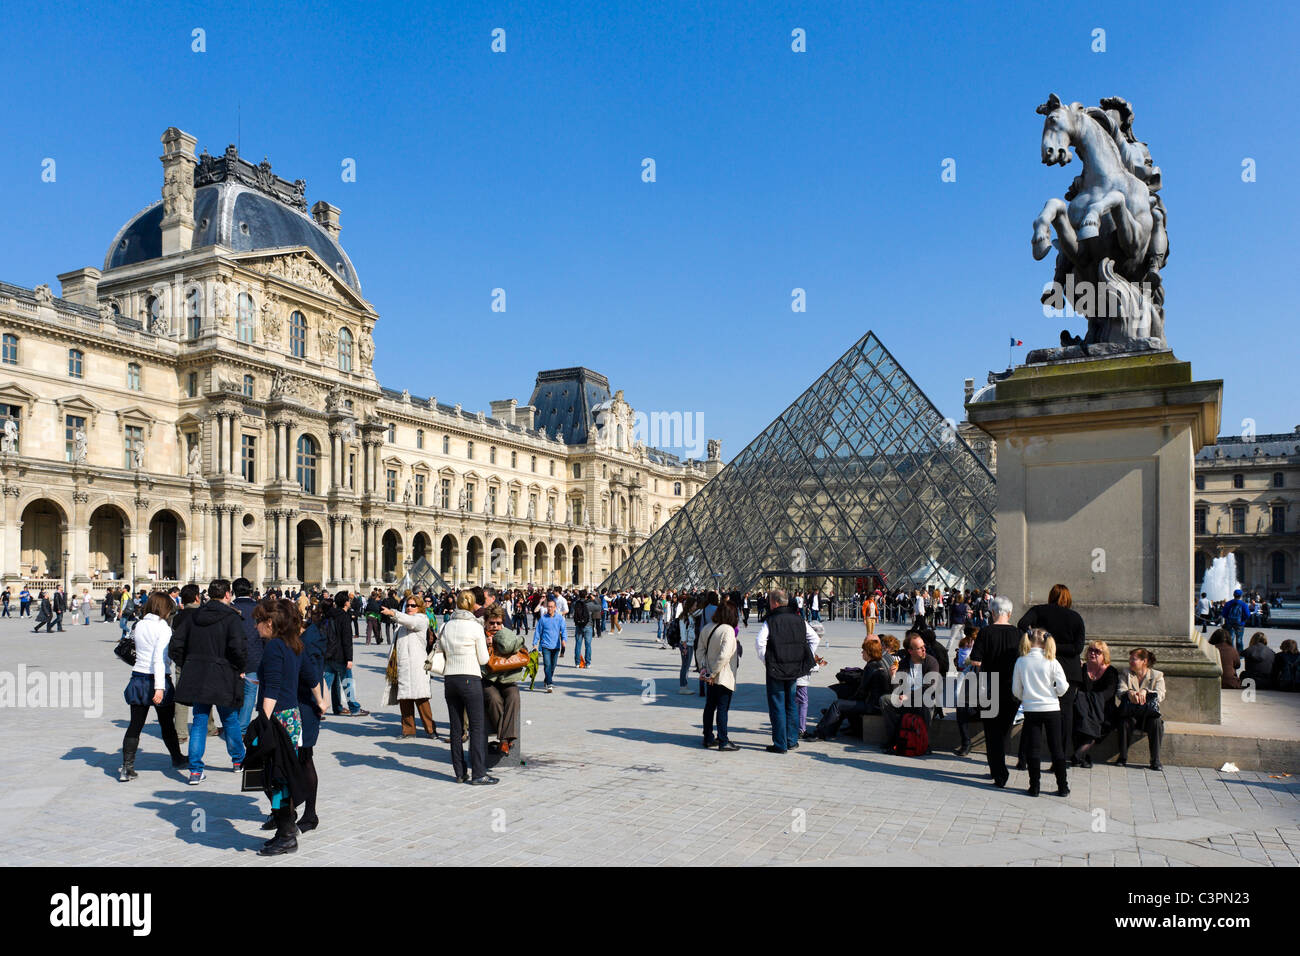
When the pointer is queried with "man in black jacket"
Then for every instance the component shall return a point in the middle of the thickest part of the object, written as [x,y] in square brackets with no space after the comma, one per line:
[245,605]
[338,658]
[994,655]
[785,644]
[209,646]
[60,605]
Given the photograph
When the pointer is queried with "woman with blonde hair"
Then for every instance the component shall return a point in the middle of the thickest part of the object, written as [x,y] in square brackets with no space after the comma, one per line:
[1094,706]
[464,646]
[410,650]
[1039,681]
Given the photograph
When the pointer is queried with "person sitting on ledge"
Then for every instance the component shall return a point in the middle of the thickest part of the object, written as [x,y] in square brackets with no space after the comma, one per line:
[1258,660]
[910,696]
[1229,659]
[1094,706]
[1141,695]
[874,683]
[1286,667]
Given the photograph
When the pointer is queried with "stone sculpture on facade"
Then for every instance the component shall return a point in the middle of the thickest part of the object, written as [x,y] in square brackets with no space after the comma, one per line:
[9,442]
[408,492]
[463,498]
[510,506]
[80,446]
[532,510]
[194,467]
[1110,231]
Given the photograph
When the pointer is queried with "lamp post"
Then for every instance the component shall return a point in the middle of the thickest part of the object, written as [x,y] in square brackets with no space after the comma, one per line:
[65,571]
[132,572]
[194,569]
[273,558]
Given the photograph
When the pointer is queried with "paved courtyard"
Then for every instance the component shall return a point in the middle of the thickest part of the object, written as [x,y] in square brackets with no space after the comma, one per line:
[615,775]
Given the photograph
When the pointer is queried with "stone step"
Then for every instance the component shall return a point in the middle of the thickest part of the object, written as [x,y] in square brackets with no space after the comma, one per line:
[1184,745]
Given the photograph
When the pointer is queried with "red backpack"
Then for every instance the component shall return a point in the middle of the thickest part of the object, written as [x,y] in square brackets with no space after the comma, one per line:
[913,738]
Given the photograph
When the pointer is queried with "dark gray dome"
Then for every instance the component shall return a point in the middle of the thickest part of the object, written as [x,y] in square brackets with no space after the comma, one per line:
[237,217]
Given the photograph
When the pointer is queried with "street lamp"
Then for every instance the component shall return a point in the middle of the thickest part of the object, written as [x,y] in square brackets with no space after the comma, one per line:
[194,569]
[133,572]
[273,558]
[65,571]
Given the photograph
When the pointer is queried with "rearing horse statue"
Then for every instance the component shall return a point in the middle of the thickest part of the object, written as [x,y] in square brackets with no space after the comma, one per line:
[1109,228]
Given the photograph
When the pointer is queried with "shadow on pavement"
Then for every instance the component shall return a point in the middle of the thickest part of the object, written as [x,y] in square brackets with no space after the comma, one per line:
[206,818]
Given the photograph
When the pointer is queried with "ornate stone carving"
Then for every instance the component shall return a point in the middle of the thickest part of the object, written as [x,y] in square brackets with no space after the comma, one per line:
[284,385]
[178,191]
[194,465]
[328,337]
[366,347]
[271,319]
[233,168]
[408,492]
[137,458]
[715,449]
[462,499]
[43,295]
[300,269]
[9,441]
[80,447]
[1110,231]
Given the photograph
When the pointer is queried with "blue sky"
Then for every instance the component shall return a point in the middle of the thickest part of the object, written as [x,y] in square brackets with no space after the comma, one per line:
[775,170]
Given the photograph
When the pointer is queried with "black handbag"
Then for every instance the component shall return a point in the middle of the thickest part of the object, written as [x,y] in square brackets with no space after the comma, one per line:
[125,650]
[253,780]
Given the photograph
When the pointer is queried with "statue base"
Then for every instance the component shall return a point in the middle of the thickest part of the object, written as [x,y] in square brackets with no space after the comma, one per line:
[1095,350]
[1095,464]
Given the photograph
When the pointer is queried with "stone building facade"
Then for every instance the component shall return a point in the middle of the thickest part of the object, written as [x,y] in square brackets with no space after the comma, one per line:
[205,405]
[1247,504]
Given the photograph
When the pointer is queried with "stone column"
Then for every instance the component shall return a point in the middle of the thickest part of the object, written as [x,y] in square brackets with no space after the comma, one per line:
[236,543]
[13,536]
[291,545]
[79,545]
[336,549]
[365,549]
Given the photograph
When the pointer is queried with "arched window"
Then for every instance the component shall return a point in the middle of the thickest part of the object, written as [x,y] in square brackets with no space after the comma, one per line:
[153,309]
[244,317]
[419,438]
[308,459]
[133,376]
[345,350]
[297,335]
[392,433]
[248,386]
[677,487]
[1279,567]
[446,445]
[76,363]
[193,314]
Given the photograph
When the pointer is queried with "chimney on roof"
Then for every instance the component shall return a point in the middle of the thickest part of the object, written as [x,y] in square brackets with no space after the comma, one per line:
[177,191]
[503,409]
[327,217]
[970,389]
[82,286]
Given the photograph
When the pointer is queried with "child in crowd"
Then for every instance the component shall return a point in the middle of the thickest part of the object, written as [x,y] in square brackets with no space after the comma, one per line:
[966,692]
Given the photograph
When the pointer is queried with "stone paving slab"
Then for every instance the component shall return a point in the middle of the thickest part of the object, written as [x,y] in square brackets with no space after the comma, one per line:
[614,774]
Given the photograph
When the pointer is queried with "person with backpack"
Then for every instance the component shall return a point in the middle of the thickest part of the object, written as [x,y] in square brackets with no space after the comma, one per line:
[784,644]
[906,709]
[1038,682]
[1235,614]
[582,614]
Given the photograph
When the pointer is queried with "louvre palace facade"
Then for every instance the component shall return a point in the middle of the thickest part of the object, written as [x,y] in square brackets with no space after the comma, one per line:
[205,405]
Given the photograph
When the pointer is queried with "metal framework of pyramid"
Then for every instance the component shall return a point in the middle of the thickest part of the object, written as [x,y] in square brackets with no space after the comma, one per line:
[422,575]
[861,473]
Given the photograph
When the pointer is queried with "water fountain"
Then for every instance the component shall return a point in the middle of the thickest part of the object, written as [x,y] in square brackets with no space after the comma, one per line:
[1220,578]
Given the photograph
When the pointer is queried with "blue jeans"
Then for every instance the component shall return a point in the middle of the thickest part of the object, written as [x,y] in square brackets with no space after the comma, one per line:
[550,655]
[1238,632]
[783,711]
[338,681]
[199,735]
[659,628]
[582,650]
[686,650]
[250,701]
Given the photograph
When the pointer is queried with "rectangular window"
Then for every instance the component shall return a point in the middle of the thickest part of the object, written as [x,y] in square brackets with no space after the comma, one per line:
[1200,482]
[392,485]
[192,384]
[419,438]
[469,450]
[134,442]
[1279,519]
[534,462]
[577,512]
[1200,521]
[445,496]
[492,455]
[352,471]
[552,467]
[469,496]
[133,376]
[1239,519]
[72,425]
[514,459]
[75,363]
[419,491]
[492,500]
[1279,479]
[10,352]
[247,457]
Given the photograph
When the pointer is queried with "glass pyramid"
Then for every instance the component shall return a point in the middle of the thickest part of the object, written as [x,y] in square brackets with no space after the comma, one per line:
[422,575]
[861,476]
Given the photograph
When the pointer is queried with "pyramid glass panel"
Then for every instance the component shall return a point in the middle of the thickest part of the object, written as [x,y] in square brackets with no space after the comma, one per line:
[860,476]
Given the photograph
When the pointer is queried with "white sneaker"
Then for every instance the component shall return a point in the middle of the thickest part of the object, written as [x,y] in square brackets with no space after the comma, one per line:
[686,690]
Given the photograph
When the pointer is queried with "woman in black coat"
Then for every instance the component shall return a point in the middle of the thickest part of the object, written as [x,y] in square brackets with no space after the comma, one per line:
[1094,707]
[1065,625]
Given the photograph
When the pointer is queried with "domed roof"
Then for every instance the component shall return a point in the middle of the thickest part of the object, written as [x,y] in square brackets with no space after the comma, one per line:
[238,215]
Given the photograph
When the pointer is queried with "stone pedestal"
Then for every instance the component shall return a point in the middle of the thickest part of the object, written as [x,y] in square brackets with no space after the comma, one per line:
[1095,467]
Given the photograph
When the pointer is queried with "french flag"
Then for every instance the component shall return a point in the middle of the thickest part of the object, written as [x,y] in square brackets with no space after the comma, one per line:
[1015,341]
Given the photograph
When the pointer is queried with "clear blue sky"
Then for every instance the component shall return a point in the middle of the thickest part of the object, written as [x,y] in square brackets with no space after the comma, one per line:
[775,170]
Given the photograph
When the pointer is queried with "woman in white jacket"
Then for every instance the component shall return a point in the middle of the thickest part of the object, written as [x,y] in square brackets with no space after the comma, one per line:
[411,650]
[1038,680]
[464,645]
[151,685]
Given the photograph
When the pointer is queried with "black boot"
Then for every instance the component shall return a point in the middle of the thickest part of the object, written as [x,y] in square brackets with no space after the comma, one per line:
[285,839]
[1155,734]
[1122,760]
[127,770]
[1062,778]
